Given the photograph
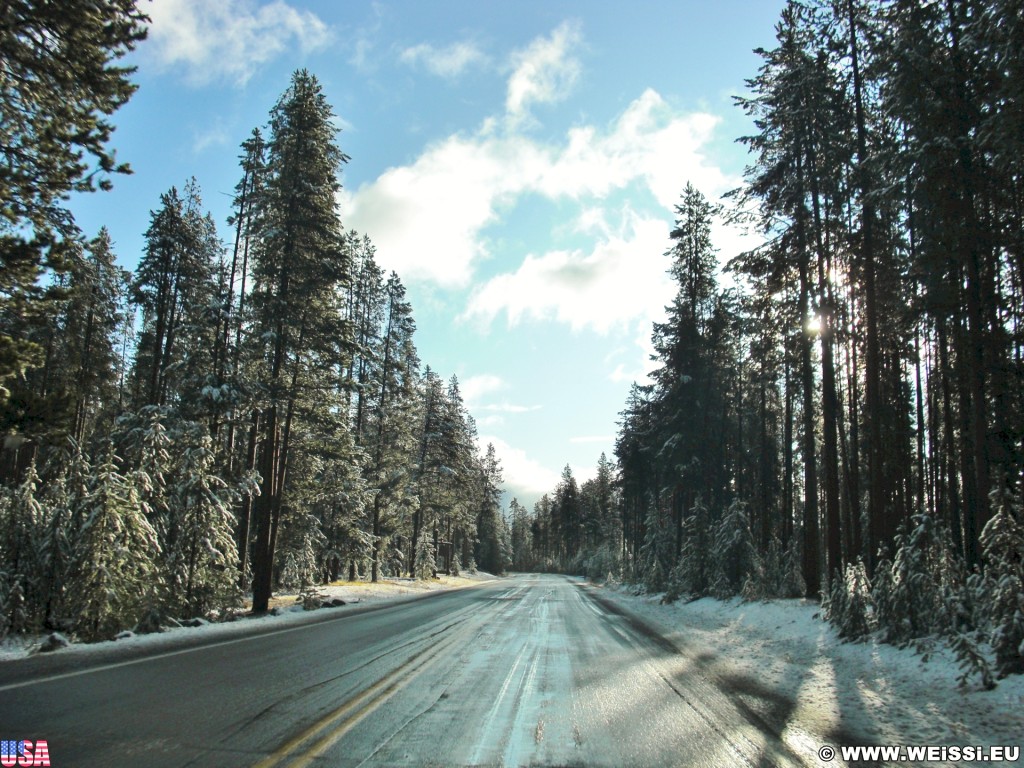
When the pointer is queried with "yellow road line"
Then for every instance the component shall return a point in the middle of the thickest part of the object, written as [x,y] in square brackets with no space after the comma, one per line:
[335,724]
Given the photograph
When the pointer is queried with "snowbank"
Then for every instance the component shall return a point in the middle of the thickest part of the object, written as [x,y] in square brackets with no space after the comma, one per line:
[786,659]
[286,608]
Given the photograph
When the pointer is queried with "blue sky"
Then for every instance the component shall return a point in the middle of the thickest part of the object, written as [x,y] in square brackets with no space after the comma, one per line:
[515,162]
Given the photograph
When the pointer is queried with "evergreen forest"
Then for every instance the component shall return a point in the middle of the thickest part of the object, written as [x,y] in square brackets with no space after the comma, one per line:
[836,414]
[225,418]
[839,413]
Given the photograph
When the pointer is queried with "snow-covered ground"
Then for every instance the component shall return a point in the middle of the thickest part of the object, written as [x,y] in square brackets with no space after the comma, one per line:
[286,608]
[869,693]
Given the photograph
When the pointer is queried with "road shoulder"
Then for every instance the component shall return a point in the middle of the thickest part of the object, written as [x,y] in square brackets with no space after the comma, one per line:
[787,664]
[20,659]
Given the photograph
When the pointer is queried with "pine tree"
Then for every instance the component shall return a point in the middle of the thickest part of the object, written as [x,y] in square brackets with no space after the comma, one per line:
[147,447]
[63,499]
[329,485]
[199,565]
[74,382]
[1003,546]
[493,548]
[23,522]
[458,523]
[391,426]
[688,453]
[567,518]
[693,574]
[114,562]
[636,472]
[236,371]
[600,549]
[523,556]
[174,285]
[60,84]
[733,556]
[366,314]
[796,107]
[657,552]
[426,566]
[95,313]
[430,466]
[914,599]
[298,268]
[849,607]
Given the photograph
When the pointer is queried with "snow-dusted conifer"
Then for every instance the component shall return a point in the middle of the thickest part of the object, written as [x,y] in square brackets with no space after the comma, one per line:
[147,447]
[16,619]
[1003,546]
[300,546]
[425,563]
[200,566]
[114,561]
[62,499]
[299,268]
[494,547]
[911,599]
[173,286]
[692,573]
[781,570]
[882,587]
[849,603]
[734,556]
[24,556]
[972,661]
[330,483]
[655,553]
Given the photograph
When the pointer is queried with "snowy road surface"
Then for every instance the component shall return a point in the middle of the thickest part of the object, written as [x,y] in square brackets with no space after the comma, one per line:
[530,670]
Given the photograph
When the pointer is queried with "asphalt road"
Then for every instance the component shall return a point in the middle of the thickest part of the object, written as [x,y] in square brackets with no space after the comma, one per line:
[530,670]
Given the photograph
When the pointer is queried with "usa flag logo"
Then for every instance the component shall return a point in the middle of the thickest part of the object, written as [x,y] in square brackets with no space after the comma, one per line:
[24,753]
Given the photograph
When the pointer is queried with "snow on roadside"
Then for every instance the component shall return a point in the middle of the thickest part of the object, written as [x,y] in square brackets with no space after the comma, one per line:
[286,609]
[869,692]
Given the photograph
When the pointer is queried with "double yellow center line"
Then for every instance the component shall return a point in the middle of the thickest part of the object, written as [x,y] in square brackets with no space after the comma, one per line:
[314,741]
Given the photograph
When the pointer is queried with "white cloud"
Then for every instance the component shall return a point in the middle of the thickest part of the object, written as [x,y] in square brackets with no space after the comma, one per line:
[730,241]
[623,376]
[448,62]
[428,219]
[362,42]
[649,142]
[213,135]
[228,39]
[432,219]
[475,387]
[587,439]
[475,390]
[507,407]
[622,278]
[523,477]
[544,72]
[361,50]
[491,420]
[642,365]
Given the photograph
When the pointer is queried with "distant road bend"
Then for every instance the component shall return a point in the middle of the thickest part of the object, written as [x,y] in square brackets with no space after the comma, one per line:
[529,670]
